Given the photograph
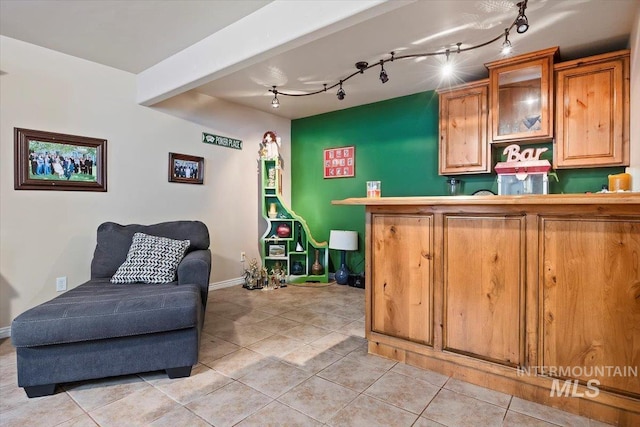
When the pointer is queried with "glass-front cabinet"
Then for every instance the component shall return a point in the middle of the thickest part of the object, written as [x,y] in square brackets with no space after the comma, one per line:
[521,97]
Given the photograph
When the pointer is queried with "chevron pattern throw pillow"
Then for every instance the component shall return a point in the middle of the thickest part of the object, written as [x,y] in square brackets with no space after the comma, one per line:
[151,259]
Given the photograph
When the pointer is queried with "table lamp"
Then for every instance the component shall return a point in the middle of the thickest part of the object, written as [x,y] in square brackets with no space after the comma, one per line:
[343,241]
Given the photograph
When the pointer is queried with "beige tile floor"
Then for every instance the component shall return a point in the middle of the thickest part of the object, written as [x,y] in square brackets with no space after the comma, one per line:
[287,357]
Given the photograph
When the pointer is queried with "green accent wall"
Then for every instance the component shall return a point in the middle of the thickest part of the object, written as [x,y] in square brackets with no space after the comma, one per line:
[396,142]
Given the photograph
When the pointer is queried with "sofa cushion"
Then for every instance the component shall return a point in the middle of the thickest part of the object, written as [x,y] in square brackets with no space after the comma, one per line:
[114,240]
[99,310]
[151,259]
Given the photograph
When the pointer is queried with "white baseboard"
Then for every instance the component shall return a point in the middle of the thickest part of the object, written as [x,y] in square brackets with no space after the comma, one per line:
[5,332]
[226,283]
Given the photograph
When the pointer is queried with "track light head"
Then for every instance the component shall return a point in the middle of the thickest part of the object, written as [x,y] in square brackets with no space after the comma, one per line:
[274,102]
[384,77]
[447,70]
[522,23]
[362,65]
[341,93]
[447,66]
[506,45]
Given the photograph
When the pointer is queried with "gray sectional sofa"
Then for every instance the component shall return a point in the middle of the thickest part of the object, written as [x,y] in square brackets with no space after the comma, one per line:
[100,329]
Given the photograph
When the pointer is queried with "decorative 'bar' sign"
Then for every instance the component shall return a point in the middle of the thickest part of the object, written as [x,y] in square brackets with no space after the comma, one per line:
[522,163]
[222,141]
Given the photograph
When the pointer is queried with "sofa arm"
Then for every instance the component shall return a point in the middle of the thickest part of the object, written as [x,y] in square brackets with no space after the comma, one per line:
[194,269]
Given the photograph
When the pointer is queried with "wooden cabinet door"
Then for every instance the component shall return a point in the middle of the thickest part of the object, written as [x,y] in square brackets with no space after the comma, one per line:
[484,271]
[463,130]
[590,292]
[521,97]
[592,118]
[402,266]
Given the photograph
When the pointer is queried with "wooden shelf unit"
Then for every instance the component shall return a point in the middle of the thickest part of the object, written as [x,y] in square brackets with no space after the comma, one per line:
[271,193]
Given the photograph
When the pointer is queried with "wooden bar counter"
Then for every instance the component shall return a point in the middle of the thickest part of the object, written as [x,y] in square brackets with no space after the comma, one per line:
[537,296]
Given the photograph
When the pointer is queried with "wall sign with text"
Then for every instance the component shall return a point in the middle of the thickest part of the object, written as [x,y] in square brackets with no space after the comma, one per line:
[340,162]
[223,141]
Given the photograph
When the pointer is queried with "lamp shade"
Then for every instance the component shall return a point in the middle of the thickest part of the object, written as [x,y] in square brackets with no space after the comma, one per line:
[343,240]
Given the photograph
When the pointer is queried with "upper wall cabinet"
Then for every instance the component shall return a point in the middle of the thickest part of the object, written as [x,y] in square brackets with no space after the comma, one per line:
[592,112]
[463,129]
[521,97]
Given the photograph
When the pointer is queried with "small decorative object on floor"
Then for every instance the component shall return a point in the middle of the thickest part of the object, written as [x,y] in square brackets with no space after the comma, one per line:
[316,268]
[253,276]
[257,277]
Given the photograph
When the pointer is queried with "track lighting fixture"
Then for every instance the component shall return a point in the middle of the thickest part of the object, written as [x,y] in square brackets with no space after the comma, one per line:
[447,67]
[521,24]
[506,45]
[341,93]
[384,77]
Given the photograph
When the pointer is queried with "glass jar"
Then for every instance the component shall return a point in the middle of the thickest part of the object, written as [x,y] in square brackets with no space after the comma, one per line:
[453,187]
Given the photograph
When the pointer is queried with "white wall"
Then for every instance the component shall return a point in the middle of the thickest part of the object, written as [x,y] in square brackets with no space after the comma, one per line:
[47,234]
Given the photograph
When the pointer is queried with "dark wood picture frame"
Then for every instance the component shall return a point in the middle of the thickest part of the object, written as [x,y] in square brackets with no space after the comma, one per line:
[186,169]
[55,161]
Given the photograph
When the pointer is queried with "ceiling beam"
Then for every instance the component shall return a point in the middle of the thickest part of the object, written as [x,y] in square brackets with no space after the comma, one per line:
[269,31]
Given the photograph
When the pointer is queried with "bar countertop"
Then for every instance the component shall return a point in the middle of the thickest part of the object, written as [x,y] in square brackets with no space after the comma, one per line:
[622,198]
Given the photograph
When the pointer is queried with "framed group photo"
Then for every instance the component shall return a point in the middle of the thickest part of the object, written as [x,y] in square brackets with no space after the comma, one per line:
[54,161]
[186,169]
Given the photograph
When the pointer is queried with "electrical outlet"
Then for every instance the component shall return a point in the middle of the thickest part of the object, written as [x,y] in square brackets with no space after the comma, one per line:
[243,256]
[61,284]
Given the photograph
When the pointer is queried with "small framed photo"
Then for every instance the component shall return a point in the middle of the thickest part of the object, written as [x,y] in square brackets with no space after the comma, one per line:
[55,161]
[186,169]
[277,251]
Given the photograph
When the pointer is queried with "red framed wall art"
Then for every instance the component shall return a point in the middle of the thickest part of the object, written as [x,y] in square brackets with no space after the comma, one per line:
[340,162]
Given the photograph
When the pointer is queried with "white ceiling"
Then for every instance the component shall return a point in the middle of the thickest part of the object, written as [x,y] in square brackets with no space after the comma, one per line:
[136,35]
[128,35]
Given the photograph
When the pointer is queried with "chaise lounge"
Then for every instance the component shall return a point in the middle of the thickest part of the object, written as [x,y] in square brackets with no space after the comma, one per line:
[101,329]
